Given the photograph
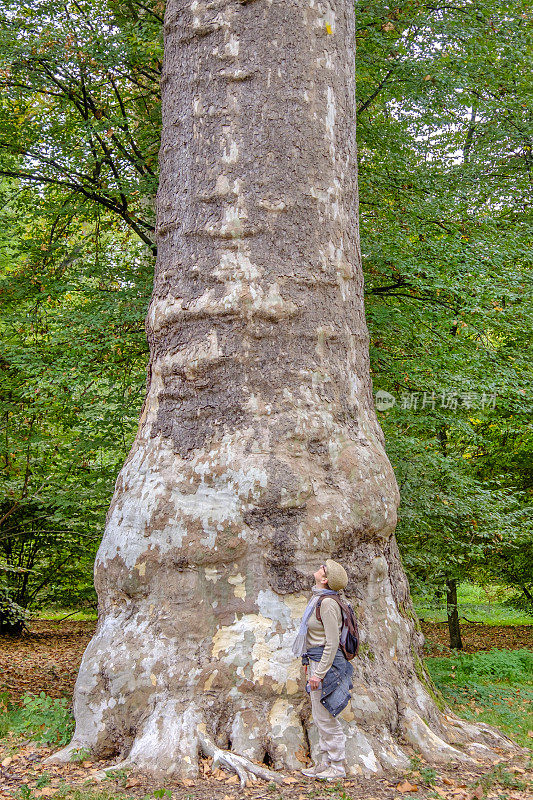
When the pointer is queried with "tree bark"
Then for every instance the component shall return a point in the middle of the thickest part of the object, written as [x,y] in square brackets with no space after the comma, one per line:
[454,626]
[259,453]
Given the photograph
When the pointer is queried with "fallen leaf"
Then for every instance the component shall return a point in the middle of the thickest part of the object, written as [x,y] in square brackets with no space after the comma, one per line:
[448,781]
[7,761]
[229,797]
[440,792]
[301,756]
[187,782]
[233,779]
[287,779]
[49,791]
[478,792]
[407,787]
[530,734]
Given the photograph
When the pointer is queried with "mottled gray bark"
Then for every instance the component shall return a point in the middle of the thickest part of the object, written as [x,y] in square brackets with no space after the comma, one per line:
[258,453]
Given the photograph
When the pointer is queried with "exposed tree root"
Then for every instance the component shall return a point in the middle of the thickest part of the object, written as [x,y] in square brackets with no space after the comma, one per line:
[234,762]
[122,765]
[434,749]
[224,759]
[64,756]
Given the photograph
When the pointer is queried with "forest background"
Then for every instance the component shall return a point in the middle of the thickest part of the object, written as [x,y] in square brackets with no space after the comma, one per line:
[445,132]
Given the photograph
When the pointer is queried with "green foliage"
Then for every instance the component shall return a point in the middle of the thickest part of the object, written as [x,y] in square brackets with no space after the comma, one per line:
[12,616]
[515,666]
[80,755]
[428,775]
[24,792]
[79,131]
[415,763]
[444,143]
[73,368]
[444,171]
[43,780]
[82,112]
[495,687]
[44,719]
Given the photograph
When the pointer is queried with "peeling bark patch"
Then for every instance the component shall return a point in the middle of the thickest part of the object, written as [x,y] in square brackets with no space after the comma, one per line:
[278,529]
[191,410]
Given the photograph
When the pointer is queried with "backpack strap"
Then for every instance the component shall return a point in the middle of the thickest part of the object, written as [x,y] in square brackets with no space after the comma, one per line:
[348,615]
[333,597]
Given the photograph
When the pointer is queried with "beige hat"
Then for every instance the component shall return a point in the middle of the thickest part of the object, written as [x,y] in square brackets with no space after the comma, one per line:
[337,577]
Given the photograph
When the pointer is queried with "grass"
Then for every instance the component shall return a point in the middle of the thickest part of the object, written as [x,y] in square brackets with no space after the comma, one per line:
[55,614]
[493,686]
[487,604]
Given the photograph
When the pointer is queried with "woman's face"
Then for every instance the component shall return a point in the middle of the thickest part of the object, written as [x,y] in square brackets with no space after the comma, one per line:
[321,575]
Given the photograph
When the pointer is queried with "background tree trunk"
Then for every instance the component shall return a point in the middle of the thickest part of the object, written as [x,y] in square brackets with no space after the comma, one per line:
[454,626]
[258,453]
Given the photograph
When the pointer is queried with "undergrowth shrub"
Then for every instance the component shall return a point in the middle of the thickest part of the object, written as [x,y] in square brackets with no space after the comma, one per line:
[12,616]
[46,720]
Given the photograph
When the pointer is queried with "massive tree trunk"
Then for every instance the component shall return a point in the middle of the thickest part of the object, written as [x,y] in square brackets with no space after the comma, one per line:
[258,453]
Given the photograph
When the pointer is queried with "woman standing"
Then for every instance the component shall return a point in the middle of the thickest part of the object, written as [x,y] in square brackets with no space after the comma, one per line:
[329,672]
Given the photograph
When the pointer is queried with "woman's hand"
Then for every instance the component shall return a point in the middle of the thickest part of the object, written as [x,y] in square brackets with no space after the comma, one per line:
[314,683]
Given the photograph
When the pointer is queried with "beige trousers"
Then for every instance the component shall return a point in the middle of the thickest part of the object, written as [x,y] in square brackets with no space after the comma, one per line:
[331,738]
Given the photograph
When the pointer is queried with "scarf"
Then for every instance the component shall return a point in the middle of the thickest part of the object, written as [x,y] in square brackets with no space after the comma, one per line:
[299,645]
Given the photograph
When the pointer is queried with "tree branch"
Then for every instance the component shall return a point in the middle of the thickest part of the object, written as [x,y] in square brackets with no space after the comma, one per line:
[374,94]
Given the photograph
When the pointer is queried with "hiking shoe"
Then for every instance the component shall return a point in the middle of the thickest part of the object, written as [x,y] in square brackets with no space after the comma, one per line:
[331,773]
[311,772]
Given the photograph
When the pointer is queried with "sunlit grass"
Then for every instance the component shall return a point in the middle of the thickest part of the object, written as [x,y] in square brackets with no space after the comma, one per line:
[56,614]
[477,604]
